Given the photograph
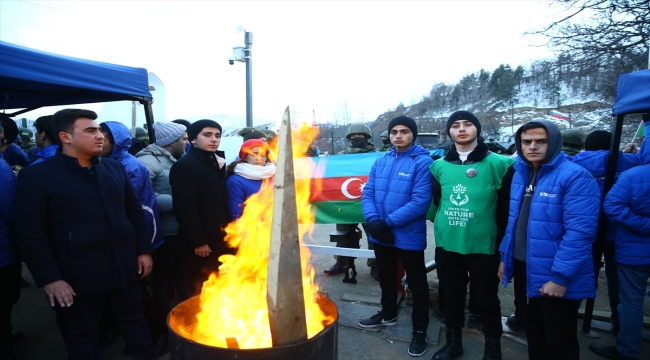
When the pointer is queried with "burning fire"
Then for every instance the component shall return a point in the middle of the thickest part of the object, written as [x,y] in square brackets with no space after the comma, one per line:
[233,304]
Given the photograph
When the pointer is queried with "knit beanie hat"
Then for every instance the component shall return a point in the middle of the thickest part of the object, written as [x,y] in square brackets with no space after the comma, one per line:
[248,145]
[252,133]
[406,121]
[464,115]
[598,140]
[167,132]
[196,127]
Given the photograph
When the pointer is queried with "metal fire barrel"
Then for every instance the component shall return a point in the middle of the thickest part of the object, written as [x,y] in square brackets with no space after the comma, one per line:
[323,346]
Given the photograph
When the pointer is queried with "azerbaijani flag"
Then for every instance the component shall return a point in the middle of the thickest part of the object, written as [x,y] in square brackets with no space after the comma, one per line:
[641,131]
[341,178]
[558,115]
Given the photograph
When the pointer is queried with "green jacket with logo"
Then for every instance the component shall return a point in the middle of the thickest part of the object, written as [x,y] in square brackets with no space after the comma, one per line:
[472,198]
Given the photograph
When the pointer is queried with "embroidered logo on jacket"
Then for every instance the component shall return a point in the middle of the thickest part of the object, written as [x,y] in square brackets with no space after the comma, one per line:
[544,193]
[403,174]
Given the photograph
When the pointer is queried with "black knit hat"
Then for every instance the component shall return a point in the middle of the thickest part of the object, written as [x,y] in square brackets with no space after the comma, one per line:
[196,127]
[406,121]
[464,115]
[598,140]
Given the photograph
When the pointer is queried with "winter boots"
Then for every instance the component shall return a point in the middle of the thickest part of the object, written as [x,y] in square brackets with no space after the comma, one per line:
[492,348]
[341,265]
[453,348]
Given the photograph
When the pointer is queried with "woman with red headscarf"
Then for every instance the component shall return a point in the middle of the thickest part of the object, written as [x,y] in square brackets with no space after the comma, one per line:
[246,175]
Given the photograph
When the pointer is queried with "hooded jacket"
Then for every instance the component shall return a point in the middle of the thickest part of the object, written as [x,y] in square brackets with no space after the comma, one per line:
[596,163]
[399,191]
[8,253]
[561,226]
[159,161]
[139,176]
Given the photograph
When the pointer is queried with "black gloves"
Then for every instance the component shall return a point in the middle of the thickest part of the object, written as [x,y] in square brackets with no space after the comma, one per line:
[381,231]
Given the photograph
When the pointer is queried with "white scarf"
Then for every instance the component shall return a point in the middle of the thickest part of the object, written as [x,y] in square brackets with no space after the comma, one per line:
[255,172]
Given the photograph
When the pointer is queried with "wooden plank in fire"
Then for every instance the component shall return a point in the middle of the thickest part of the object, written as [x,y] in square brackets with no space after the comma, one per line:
[284,287]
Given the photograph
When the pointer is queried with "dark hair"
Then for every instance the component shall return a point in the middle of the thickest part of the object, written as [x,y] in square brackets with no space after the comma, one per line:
[64,121]
[107,132]
[182,122]
[529,126]
[598,140]
[44,125]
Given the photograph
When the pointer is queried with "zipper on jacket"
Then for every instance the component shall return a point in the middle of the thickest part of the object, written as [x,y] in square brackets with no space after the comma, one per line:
[527,299]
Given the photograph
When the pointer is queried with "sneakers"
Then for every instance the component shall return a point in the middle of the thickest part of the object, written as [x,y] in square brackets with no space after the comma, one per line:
[377,320]
[418,343]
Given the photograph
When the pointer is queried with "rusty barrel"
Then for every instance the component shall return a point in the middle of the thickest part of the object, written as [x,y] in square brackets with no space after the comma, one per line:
[323,346]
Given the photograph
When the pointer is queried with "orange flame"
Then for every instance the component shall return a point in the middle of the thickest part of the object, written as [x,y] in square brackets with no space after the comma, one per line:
[233,302]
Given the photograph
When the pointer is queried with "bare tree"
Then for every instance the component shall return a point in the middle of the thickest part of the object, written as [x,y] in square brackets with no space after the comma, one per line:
[613,41]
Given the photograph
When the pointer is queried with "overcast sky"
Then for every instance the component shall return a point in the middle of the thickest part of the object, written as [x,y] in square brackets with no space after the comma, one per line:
[308,55]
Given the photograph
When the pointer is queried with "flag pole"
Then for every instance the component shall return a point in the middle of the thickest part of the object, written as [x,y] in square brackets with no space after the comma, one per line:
[637,131]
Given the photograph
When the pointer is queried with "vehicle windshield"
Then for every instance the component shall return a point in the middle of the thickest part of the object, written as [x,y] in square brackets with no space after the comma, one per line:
[427,142]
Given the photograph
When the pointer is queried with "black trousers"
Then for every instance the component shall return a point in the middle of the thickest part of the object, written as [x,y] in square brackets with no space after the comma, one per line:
[10,285]
[551,323]
[162,281]
[455,271]
[83,323]
[413,262]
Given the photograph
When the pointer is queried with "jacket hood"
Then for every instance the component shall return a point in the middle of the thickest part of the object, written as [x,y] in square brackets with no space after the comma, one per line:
[121,138]
[554,141]
[154,150]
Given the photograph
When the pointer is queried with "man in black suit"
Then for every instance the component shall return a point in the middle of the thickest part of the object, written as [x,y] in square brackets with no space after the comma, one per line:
[200,206]
[81,232]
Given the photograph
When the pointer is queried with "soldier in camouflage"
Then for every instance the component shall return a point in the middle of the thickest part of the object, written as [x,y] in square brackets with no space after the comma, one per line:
[26,137]
[573,141]
[385,142]
[348,235]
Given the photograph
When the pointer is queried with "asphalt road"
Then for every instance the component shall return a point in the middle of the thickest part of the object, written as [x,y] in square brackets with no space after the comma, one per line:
[33,316]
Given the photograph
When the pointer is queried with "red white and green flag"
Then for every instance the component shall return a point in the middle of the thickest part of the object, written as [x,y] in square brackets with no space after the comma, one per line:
[342,179]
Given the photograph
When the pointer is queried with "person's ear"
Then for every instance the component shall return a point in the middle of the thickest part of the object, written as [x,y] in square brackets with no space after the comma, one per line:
[65,137]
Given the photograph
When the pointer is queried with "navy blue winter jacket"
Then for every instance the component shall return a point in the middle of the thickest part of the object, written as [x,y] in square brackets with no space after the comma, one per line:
[139,175]
[8,254]
[399,190]
[239,189]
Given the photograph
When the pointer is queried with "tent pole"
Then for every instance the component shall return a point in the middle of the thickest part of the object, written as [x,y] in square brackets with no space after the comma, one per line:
[148,114]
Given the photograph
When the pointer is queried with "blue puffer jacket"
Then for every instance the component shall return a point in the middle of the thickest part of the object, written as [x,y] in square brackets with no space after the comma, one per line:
[628,205]
[596,163]
[399,190]
[139,176]
[45,153]
[8,253]
[561,228]
[239,189]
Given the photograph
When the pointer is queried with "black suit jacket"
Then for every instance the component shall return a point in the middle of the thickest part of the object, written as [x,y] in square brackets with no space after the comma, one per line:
[200,207]
[84,226]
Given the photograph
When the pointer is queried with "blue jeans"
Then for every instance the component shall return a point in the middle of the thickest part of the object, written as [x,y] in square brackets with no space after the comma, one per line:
[633,280]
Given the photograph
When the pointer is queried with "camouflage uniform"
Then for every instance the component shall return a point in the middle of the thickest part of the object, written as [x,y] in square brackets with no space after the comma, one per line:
[348,235]
[573,141]
[385,147]
[26,137]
